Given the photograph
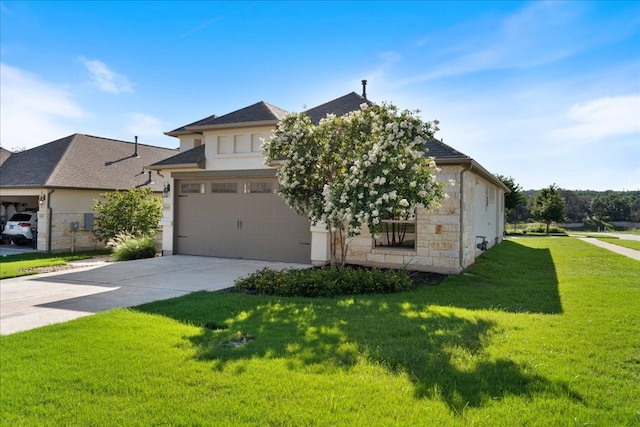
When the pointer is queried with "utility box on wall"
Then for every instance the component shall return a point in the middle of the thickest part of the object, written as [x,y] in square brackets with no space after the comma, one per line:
[75,226]
[88,221]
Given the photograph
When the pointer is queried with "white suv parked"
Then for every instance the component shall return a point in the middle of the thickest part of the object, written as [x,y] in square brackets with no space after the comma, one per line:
[18,228]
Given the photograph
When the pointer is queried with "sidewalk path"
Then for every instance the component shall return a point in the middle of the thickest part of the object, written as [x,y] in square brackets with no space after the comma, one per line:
[631,253]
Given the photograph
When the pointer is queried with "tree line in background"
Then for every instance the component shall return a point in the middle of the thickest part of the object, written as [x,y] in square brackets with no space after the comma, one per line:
[553,204]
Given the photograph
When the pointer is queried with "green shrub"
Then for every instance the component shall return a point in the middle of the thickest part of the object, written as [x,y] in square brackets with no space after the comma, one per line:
[324,282]
[127,247]
[135,212]
[540,227]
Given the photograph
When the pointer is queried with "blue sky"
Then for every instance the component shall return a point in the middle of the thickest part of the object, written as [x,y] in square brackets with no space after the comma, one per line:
[545,92]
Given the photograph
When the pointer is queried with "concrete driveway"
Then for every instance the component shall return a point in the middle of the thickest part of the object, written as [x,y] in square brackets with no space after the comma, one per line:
[33,301]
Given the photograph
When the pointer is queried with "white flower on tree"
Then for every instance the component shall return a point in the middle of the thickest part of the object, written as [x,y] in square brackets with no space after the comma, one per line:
[335,171]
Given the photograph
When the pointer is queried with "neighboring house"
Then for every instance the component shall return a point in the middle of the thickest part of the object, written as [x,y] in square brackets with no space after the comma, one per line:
[62,179]
[223,202]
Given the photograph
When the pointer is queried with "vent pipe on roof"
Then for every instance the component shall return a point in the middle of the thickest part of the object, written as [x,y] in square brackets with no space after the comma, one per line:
[135,153]
[364,89]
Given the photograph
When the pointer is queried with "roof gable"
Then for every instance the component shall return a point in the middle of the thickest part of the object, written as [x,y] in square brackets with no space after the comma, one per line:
[193,158]
[84,161]
[4,154]
[256,114]
[183,129]
[440,150]
[33,167]
[339,106]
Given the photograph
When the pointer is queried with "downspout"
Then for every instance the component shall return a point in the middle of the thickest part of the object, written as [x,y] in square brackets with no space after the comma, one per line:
[466,168]
[50,220]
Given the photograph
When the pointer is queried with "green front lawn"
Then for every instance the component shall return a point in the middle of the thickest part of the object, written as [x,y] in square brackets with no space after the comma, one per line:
[540,331]
[28,263]
[625,243]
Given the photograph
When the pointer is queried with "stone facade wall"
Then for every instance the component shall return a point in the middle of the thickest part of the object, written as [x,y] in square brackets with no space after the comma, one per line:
[64,239]
[468,206]
[438,237]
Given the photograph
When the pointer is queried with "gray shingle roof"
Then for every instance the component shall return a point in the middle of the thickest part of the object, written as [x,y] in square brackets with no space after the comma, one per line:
[191,158]
[183,129]
[4,155]
[339,107]
[440,150]
[260,112]
[84,161]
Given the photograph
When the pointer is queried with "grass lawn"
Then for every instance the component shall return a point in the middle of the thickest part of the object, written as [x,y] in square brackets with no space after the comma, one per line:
[625,243]
[540,331]
[27,263]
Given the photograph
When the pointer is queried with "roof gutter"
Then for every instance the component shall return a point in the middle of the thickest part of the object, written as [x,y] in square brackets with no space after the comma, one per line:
[177,133]
[201,128]
[469,164]
[465,168]
[199,165]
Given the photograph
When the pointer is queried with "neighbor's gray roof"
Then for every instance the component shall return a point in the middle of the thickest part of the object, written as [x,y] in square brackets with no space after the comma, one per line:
[258,113]
[339,106]
[84,161]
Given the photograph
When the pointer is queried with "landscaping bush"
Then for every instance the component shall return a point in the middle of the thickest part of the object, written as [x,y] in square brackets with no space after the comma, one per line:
[325,282]
[542,228]
[128,247]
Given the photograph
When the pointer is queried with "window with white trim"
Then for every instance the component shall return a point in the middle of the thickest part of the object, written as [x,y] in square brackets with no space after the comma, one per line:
[397,234]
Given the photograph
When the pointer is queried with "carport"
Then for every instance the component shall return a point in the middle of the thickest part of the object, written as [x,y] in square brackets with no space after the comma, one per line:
[13,201]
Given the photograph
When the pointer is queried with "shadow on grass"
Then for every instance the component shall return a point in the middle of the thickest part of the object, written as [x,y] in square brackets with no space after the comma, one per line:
[440,352]
[509,277]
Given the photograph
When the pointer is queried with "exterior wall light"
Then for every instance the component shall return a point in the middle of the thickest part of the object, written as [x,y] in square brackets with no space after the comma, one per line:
[166,189]
[42,198]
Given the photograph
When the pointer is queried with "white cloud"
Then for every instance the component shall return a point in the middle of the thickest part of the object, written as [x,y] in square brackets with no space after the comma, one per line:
[601,118]
[106,79]
[33,111]
[539,33]
[145,126]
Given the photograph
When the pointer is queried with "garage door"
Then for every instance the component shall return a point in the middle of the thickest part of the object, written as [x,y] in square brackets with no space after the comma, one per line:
[236,218]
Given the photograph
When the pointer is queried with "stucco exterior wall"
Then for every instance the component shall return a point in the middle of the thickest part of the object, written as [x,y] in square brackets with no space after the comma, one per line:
[235,149]
[67,206]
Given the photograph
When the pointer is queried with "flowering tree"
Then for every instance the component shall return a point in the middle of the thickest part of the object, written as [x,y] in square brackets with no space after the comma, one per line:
[356,170]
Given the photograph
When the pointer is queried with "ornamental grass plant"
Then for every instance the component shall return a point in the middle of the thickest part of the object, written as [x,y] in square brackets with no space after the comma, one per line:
[127,247]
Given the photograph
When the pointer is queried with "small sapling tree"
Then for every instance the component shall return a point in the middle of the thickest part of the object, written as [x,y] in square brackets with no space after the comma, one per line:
[548,205]
[135,212]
